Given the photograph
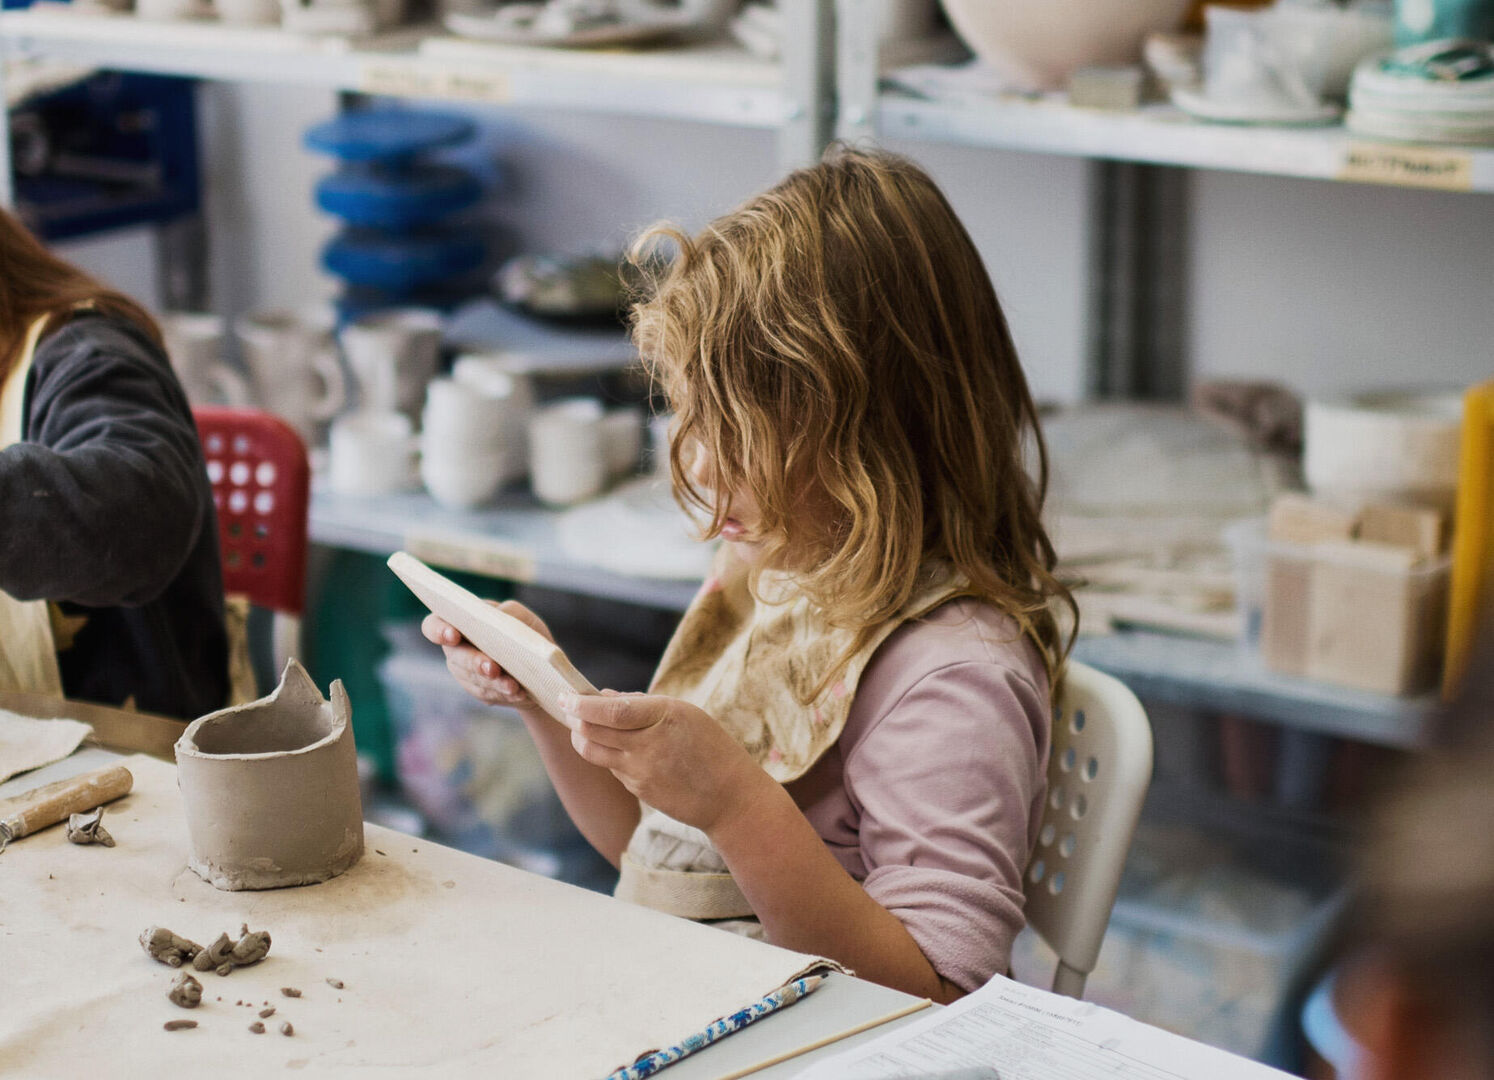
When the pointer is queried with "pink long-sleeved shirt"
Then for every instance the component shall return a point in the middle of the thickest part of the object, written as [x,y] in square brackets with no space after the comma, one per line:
[932,797]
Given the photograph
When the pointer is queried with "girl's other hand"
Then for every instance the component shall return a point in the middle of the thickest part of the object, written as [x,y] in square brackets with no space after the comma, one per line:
[476,672]
[669,753]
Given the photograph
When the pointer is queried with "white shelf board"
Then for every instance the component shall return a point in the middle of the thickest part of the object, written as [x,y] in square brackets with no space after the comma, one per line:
[709,83]
[1223,677]
[514,539]
[1164,135]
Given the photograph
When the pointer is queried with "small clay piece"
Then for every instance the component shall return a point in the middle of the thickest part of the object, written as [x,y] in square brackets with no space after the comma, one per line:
[290,991]
[265,1014]
[89,828]
[179,1025]
[286,1029]
[258,1027]
[251,948]
[335,984]
[271,788]
[166,947]
[185,991]
[225,954]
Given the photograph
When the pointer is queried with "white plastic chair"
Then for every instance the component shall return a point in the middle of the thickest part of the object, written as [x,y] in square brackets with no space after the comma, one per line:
[1098,774]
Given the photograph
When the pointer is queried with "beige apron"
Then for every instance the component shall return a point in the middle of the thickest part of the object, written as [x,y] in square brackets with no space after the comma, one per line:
[755,666]
[28,652]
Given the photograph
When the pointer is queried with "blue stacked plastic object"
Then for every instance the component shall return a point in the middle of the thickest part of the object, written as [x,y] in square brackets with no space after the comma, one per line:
[399,244]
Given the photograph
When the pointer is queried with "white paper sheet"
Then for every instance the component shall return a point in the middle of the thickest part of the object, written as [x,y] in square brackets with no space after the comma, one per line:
[1015,1032]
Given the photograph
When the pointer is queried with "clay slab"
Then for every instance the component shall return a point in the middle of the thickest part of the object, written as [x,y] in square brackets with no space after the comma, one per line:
[537,663]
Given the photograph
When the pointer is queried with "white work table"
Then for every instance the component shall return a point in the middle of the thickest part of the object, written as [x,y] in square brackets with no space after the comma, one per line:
[79,986]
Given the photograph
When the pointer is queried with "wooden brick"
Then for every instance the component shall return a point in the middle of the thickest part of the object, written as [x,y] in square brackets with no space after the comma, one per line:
[1421,529]
[1297,519]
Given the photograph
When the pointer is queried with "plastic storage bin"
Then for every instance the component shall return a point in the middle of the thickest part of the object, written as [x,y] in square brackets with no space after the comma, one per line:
[1354,613]
[474,773]
[1209,934]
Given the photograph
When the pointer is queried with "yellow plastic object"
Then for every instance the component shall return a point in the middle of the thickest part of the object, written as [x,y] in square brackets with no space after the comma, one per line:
[1473,536]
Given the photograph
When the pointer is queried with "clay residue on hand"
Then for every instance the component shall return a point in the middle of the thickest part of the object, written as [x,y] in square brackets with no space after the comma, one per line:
[89,828]
[185,991]
[226,954]
[167,947]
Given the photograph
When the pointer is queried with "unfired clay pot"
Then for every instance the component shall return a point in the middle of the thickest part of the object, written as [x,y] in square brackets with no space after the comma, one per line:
[271,788]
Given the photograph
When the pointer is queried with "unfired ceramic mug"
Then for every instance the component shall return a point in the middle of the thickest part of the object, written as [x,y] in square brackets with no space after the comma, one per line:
[567,455]
[195,344]
[372,454]
[295,368]
[393,355]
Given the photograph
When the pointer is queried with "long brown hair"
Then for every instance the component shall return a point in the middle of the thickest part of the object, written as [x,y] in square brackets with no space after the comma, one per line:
[34,283]
[839,335]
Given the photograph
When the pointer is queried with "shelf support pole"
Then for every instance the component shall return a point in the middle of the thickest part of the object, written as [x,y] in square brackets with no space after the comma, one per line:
[7,178]
[856,72]
[809,81]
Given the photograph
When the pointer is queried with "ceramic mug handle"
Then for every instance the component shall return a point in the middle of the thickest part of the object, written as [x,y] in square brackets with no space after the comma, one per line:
[328,367]
[230,387]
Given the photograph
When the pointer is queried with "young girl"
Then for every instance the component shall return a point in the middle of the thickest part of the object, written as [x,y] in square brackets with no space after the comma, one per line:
[844,747]
[110,586]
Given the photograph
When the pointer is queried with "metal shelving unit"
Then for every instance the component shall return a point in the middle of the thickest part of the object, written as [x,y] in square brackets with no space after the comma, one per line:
[723,85]
[1152,135]
[710,83]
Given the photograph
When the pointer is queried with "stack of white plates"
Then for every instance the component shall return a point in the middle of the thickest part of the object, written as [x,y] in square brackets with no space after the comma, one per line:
[1438,92]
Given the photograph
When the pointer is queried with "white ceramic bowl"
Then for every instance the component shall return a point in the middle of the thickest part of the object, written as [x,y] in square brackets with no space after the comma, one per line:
[1396,446]
[1038,44]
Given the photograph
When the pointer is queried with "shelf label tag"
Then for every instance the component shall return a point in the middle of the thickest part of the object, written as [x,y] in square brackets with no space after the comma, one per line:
[397,78]
[474,85]
[1407,166]
[477,554]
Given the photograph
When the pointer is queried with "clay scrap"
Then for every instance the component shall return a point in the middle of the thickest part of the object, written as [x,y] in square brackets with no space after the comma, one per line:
[179,1025]
[161,944]
[89,828]
[271,788]
[226,954]
[185,991]
[221,956]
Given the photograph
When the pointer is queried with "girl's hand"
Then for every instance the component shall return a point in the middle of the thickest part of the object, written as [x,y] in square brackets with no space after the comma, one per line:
[477,672]
[667,752]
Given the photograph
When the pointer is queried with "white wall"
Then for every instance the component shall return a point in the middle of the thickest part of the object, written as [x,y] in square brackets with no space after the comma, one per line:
[1336,287]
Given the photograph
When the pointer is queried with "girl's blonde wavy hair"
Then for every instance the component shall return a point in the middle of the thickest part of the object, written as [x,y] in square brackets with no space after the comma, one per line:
[837,347]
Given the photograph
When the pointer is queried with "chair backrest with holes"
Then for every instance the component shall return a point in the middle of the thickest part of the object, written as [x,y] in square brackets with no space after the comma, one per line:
[262,490]
[1098,774]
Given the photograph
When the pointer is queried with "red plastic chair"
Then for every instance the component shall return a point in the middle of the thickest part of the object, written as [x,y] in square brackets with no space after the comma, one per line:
[262,490]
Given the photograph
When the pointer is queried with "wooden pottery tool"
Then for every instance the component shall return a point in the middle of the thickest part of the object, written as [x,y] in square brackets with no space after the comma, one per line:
[34,810]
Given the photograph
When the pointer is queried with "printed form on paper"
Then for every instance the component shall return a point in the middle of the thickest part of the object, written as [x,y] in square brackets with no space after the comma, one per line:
[1020,1033]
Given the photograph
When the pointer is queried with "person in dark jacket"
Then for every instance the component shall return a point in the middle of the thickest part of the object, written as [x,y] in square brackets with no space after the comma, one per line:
[110,585]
